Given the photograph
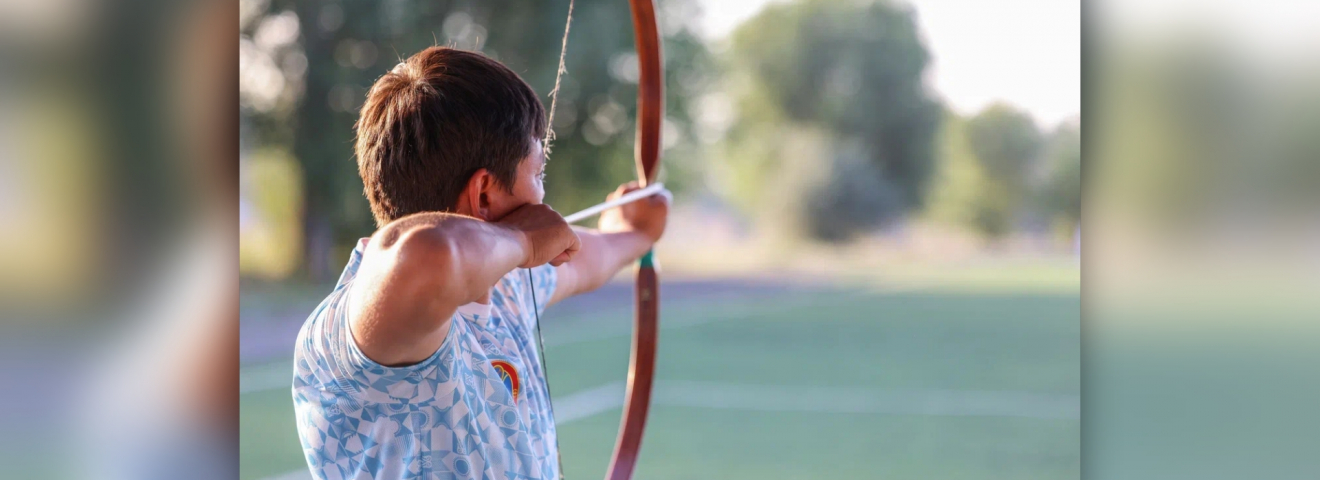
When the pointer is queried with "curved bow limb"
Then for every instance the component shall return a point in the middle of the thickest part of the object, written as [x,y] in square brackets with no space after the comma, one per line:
[641,368]
[641,373]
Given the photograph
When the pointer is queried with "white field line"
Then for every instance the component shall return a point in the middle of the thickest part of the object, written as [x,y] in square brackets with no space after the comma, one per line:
[813,399]
[589,402]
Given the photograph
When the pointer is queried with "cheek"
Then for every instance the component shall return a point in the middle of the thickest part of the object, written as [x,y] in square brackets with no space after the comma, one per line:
[538,191]
[528,190]
[531,189]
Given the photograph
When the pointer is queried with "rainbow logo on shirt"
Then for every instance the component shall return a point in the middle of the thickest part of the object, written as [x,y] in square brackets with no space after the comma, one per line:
[508,375]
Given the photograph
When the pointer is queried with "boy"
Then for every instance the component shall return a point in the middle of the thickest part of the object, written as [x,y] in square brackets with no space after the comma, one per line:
[422,362]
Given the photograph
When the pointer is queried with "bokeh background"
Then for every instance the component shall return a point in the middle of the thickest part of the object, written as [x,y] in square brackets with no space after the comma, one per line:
[872,268]
[1201,254]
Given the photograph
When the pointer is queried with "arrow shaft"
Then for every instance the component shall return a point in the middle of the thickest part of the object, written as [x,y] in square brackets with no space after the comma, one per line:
[624,199]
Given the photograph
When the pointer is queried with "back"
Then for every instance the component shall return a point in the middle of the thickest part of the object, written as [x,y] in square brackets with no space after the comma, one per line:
[478,407]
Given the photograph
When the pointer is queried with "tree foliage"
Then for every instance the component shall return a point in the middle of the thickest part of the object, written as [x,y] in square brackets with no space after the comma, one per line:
[339,48]
[1006,141]
[1060,192]
[964,193]
[997,168]
[849,75]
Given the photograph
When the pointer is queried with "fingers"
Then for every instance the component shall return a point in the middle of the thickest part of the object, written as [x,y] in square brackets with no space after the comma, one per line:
[568,254]
[663,197]
[549,238]
[625,188]
[574,244]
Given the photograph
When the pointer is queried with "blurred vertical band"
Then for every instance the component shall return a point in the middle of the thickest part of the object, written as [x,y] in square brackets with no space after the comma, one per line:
[1203,248]
[118,271]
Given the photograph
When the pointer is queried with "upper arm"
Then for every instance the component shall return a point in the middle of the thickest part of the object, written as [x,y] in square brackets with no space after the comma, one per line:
[403,296]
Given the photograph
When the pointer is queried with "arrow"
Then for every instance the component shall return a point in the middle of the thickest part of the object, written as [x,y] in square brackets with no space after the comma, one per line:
[624,199]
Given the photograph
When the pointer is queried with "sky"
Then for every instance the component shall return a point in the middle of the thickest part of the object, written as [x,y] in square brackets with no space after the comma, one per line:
[1024,52]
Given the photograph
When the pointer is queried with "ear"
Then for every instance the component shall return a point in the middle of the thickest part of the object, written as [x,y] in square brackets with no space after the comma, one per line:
[475,199]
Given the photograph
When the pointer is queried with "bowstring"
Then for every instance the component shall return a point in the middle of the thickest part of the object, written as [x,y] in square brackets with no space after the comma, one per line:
[545,371]
[545,146]
[559,76]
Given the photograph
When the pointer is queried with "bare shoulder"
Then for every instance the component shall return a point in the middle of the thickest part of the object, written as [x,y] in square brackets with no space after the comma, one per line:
[407,257]
[397,295]
[412,235]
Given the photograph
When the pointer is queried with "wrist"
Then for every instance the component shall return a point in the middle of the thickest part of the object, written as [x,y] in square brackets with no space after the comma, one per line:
[626,228]
[643,241]
[522,241]
[647,235]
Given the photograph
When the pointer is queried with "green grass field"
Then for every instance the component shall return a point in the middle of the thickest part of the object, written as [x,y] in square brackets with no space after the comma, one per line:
[934,384]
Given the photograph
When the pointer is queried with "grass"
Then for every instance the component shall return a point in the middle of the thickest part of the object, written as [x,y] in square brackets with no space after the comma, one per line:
[922,340]
[701,443]
[268,442]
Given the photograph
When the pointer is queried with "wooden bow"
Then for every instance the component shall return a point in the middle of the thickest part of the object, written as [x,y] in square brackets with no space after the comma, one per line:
[641,369]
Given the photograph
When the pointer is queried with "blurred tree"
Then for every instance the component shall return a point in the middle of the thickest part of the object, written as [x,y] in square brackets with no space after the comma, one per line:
[338,48]
[1060,193]
[854,195]
[991,171]
[1006,144]
[955,195]
[271,251]
[848,75]
[1006,141]
[964,193]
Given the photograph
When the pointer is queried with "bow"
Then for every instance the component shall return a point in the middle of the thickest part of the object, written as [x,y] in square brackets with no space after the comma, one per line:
[650,114]
[641,368]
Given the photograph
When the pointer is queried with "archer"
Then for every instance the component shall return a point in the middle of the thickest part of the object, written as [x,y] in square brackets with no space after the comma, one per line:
[422,363]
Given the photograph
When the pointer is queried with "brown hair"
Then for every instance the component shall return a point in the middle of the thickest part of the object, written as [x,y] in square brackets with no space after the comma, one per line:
[433,121]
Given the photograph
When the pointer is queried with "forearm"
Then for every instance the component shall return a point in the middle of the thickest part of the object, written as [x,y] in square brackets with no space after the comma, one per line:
[604,254]
[480,254]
